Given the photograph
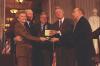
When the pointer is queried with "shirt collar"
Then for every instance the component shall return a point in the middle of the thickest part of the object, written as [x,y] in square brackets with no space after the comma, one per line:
[79,18]
[28,21]
[61,19]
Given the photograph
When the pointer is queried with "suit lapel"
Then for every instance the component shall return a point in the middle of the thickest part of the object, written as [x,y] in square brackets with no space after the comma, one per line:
[62,27]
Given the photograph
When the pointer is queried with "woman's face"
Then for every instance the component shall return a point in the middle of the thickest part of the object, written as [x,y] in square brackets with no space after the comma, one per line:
[22,17]
[59,13]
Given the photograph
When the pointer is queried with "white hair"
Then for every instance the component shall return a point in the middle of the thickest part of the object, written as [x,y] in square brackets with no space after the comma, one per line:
[28,10]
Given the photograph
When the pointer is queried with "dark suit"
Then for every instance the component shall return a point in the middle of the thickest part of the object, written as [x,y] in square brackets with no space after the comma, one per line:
[43,53]
[96,33]
[36,50]
[23,48]
[83,42]
[30,26]
[64,48]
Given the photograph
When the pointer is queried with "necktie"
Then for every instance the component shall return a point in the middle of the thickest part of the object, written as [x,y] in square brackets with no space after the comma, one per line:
[42,29]
[60,23]
[27,27]
[29,24]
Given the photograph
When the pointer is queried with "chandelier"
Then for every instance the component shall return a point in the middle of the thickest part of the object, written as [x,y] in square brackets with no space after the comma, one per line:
[20,1]
[14,11]
[9,19]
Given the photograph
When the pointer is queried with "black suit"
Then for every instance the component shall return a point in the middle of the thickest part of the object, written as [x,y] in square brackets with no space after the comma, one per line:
[83,42]
[96,33]
[43,49]
[64,48]
[30,27]
[37,56]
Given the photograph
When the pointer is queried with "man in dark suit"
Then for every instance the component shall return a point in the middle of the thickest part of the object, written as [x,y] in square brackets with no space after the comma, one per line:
[23,44]
[82,39]
[63,39]
[30,21]
[44,48]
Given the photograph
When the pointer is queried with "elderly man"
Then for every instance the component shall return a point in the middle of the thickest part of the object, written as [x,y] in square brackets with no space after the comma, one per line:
[30,21]
[82,39]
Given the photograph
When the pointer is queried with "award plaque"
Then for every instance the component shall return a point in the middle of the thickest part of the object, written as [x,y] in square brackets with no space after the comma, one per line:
[47,33]
[50,33]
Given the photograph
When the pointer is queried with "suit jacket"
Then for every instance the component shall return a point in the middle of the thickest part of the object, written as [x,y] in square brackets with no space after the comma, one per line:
[66,30]
[83,37]
[41,33]
[22,46]
[30,26]
[23,32]
[38,30]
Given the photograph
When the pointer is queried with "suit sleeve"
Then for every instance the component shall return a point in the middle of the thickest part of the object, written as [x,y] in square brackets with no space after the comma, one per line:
[85,31]
[21,31]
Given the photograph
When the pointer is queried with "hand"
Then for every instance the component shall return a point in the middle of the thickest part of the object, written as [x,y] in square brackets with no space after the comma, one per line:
[53,32]
[43,39]
[54,39]
[18,38]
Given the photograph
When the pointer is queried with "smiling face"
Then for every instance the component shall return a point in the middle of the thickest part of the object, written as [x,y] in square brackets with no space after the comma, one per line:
[29,14]
[59,13]
[22,17]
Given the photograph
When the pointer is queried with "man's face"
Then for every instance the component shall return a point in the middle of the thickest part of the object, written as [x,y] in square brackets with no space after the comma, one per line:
[95,11]
[29,15]
[43,19]
[22,17]
[75,13]
[59,13]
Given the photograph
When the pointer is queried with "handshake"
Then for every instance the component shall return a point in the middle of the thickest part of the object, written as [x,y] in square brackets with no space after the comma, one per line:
[48,35]
[19,38]
[51,39]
